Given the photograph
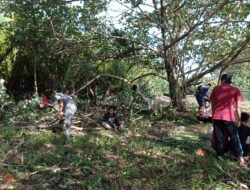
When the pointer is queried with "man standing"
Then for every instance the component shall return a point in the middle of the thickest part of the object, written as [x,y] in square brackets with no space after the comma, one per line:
[201,93]
[224,98]
[67,107]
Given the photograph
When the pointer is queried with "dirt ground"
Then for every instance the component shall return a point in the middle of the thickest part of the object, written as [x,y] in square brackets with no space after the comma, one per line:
[190,100]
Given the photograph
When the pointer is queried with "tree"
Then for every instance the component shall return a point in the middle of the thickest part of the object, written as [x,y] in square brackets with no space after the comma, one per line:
[188,39]
[52,39]
[67,45]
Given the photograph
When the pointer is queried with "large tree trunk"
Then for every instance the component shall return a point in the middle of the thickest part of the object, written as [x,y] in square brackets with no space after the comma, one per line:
[175,91]
[170,60]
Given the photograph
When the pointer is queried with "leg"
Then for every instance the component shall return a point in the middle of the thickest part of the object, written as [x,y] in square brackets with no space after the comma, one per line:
[205,120]
[69,113]
[59,116]
[121,126]
[106,126]
[200,101]
[218,137]
[209,120]
[234,138]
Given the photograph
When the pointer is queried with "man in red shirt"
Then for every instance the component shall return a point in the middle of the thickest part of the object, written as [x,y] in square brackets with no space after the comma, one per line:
[224,98]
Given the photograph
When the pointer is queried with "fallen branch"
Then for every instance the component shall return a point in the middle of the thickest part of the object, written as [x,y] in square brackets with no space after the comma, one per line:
[12,128]
[97,77]
[229,175]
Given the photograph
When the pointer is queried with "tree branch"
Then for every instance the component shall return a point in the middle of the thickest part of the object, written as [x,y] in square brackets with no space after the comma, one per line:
[118,78]
[222,63]
[148,74]
[192,28]
[99,76]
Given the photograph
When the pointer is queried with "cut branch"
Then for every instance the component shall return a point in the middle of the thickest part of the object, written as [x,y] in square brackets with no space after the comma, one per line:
[118,78]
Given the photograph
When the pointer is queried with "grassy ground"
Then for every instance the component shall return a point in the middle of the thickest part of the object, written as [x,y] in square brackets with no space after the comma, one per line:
[152,154]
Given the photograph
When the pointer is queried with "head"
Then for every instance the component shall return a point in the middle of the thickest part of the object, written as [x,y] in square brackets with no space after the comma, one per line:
[53,95]
[226,78]
[111,110]
[208,85]
[245,117]
[66,91]
[206,103]
[53,92]
[134,88]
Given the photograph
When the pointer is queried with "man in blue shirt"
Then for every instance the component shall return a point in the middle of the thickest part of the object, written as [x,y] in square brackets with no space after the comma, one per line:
[202,93]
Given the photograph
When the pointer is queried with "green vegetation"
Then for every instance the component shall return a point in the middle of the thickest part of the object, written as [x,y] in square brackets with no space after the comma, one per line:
[171,44]
[152,154]
[96,53]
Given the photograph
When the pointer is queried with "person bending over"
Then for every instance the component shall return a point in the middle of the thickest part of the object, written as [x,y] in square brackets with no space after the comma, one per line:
[67,108]
[202,93]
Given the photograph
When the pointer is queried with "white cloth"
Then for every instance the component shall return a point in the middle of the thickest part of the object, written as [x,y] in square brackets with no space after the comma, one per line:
[206,112]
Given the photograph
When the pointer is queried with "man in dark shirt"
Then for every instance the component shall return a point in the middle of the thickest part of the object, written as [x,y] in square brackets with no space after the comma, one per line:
[202,93]
[244,133]
[110,119]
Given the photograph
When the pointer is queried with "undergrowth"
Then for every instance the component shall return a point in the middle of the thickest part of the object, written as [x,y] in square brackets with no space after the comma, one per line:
[140,158]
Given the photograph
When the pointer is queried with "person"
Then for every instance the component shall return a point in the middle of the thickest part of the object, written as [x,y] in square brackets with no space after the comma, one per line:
[223,98]
[202,93]
[205,113]
[111,120]
[67,109]
[244,133]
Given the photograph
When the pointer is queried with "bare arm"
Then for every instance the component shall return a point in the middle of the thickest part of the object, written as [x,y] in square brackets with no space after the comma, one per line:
[61,105]
[59,114]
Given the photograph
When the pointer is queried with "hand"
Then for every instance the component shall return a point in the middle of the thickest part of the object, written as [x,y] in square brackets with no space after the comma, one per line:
[59,115]
[238,124]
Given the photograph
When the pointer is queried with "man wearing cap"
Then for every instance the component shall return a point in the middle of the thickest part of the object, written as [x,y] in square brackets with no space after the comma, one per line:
[67,107]
[224,98]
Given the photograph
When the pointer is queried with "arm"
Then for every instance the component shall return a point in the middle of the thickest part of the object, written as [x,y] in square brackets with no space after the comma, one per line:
[207,96]
[210,111]
[211,96]
[206,93]
[117,121]
[59,114]
[106,119]
[238,113]
[61,105]
[237,107]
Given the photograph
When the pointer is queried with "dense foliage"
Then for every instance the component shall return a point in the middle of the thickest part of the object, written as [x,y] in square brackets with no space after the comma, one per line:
[59,44]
